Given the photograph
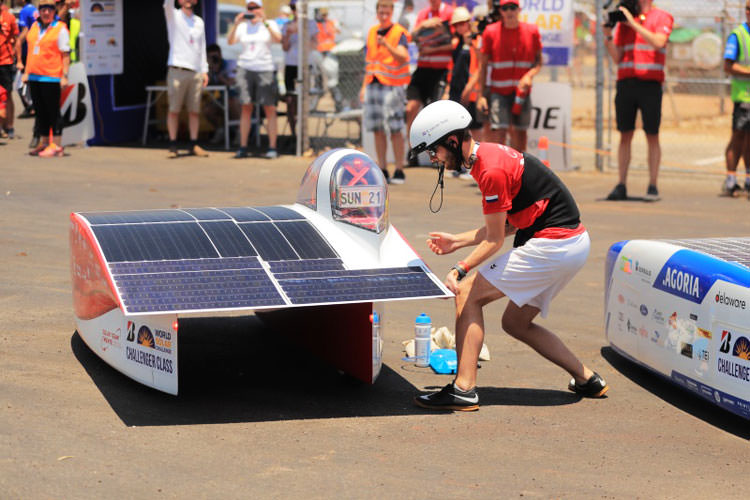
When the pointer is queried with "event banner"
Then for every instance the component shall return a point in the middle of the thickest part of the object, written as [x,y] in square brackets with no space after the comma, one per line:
[102,36]
[551,117]
[75,107]
[555,21]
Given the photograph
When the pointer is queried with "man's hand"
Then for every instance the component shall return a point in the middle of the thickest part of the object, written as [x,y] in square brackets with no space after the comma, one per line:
[442,243]
[451,281]
[482,104]
[63,82]
[239,17]
[204,77]
[19,66]
[362,95]
[524,83]
[607,31]
[628,16]
[25,78]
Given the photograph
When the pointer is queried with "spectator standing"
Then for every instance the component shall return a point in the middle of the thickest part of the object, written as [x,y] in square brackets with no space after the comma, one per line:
[386,74]
[639,48]
[434,59]
[737,65]
[512,50]
[519,195]
[66,13]
[290,44]
[8,34]
[463,85]
[256,74]
[26,18]
[46,72]
[187,71]
[327,31]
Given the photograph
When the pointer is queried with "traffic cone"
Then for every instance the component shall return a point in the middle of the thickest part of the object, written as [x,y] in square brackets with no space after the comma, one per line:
[543,148]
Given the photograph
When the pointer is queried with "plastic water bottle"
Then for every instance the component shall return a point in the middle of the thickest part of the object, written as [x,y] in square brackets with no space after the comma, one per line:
[422,331]
[519,101]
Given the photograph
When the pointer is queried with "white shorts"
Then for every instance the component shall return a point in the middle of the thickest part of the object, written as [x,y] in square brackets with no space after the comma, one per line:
[533,274]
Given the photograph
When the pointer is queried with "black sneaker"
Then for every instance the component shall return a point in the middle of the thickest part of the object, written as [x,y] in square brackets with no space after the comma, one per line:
[398,177]
[652,194]
[595,387]
[386,175]
[728,189]
[34,142]
[241,153]
[618,193]
[450,397]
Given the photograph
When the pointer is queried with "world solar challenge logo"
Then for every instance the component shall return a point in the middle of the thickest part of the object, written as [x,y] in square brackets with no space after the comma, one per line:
[146,342]
[736,367]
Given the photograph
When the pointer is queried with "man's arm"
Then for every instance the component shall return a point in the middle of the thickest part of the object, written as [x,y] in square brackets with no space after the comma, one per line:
[525,82]
[169,10]
[490,239]
[656,40]
[19,44]
[735,69]
[65,67]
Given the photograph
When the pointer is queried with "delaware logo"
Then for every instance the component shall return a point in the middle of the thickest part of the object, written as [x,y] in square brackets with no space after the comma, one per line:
[491,199]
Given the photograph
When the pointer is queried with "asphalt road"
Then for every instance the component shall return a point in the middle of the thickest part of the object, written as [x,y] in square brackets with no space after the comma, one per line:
[256,417]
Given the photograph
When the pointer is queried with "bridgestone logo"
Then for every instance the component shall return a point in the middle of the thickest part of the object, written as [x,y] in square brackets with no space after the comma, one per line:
[682,282]
[721,298]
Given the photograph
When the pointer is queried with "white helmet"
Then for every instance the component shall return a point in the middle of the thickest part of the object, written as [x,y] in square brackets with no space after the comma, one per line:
[435,122]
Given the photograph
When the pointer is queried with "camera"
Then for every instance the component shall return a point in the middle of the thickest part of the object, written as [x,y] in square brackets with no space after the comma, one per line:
[249,16]
[493,17]
[615,16]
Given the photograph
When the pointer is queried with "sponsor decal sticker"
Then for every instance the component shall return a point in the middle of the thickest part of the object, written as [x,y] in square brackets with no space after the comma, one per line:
[728,300]
[644,310]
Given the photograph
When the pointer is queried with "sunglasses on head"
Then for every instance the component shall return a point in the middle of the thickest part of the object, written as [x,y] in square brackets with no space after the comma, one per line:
[510,6]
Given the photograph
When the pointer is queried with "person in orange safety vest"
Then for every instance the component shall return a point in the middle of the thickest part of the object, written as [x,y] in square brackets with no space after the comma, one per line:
[383,95]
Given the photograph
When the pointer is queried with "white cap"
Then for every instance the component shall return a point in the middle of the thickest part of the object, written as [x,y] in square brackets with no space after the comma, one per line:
[259,3]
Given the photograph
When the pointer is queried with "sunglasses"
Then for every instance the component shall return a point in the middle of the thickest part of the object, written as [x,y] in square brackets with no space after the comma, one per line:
[46,7]
[509,6]
[253,7]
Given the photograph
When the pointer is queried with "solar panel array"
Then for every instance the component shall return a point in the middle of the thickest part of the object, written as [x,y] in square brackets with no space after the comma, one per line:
[233,258]
[729,249]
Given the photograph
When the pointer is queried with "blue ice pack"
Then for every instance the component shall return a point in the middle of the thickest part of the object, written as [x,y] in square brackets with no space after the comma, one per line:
[444,360]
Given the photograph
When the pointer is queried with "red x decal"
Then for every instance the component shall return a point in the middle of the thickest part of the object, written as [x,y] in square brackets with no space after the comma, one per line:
[358,176]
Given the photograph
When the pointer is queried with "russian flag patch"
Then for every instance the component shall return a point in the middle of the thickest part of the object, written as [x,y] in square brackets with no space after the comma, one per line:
[491,199]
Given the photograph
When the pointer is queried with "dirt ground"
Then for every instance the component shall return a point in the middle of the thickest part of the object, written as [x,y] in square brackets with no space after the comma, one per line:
[258,418]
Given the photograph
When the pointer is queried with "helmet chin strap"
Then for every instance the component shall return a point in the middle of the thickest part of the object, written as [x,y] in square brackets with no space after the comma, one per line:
[458,156]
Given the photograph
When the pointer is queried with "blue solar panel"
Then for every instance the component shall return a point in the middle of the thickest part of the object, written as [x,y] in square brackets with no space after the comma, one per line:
[280,213]
[137,216]
[174,266]
[168,241]
[207,214]
[192,290]
[306,240]
[293,266]
[378,284]
[228,239]
[268,241]
[245,214]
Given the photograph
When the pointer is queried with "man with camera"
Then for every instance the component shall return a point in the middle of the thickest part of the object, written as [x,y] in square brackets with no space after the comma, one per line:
[512,49]
[639,48]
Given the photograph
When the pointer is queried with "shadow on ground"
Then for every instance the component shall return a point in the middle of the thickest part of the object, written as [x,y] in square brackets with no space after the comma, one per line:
[677,396]
[237,370]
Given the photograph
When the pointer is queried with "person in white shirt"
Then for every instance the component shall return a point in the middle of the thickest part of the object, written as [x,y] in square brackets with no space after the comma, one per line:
[188,71]
[256,74]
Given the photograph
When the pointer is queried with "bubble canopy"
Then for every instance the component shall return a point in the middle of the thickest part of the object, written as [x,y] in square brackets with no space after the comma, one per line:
[355,186]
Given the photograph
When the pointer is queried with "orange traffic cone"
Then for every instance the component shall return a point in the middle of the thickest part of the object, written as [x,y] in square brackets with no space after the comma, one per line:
[543,148]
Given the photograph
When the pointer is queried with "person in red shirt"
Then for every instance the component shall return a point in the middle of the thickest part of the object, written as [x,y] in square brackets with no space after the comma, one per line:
[432,33]
[512,50]
[523,197]
[639,48]
[8,35]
